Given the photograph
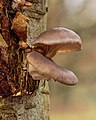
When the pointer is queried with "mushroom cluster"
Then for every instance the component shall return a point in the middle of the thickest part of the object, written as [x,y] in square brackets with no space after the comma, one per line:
[44,47]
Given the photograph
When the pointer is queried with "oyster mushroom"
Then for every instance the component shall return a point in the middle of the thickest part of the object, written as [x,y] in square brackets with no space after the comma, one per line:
[57,40]
[49,70]
[45,46]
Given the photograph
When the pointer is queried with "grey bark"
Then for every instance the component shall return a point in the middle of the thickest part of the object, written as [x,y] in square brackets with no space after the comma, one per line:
[30,107]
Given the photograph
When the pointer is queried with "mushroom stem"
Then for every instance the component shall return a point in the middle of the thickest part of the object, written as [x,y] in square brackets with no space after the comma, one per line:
[50,69]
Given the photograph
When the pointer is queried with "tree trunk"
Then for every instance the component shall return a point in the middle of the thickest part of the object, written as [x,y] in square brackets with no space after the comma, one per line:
[21,97]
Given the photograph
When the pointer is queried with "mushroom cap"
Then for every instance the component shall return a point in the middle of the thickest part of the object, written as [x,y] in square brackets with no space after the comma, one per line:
[58,40]
[51,71]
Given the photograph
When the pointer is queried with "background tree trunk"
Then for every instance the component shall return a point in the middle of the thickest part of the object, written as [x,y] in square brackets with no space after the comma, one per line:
[33,106]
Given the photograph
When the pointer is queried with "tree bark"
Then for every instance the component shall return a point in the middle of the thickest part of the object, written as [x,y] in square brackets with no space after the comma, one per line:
[34,105]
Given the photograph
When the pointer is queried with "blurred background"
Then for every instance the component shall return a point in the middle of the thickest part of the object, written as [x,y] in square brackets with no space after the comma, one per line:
[77,102]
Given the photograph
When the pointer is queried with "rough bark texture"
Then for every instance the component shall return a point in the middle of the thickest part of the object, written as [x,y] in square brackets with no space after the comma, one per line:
[34,106]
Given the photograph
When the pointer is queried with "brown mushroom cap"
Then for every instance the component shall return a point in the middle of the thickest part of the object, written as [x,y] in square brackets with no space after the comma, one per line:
[58,40]
[51,71]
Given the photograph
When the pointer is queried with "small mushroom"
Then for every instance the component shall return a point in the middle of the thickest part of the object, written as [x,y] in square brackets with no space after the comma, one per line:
[49,70]
[20,4]
[19,26]
[44,47]
[57,40]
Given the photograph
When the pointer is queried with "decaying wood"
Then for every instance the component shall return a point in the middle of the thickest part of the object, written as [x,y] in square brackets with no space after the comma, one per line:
[22,98]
